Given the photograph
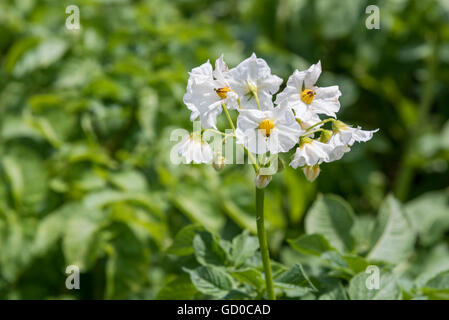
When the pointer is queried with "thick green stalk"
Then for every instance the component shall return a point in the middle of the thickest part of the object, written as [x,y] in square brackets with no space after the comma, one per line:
[264,243]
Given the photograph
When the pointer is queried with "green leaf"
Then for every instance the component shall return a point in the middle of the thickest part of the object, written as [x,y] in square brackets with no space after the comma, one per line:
[388,288]
[183,243]
[337,293]
[314,244]
[15,178]
[438,286]
[42,55]
[333,218]
[208,249]
[250,276]
[237,295]
[26,172]
[80,242]
[211,280]
[393,235]
[53,226]
[344,266]
[243,247]
[127,264]
[361,232]
[129,180]
[180,288]
[295,276]
[429,216]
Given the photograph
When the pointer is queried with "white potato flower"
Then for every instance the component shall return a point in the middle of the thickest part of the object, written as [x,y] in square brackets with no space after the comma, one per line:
[304,97]
[194,150]
[273,130]
[345,136]
[264,127]
[207,90]
[253,77]
[307,119]
[311,152]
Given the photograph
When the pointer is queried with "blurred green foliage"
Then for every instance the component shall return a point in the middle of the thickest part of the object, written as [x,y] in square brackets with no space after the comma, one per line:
[85,176]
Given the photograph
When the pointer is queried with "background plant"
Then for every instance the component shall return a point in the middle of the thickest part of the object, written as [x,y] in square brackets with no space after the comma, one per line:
[86,177]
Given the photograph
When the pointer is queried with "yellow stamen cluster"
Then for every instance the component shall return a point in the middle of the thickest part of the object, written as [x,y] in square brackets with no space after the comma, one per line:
[307,96]
[267,125]
[222,92]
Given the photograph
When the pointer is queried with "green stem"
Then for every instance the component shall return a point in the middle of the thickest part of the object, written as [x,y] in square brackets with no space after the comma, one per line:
[308,133]
[219,132]
[231,123]
[264,243]
[317,124]
[225,109]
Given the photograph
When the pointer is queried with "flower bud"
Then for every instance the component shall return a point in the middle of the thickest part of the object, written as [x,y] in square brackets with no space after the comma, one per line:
[311,172]
[219,162]
[262,181]
[325,136]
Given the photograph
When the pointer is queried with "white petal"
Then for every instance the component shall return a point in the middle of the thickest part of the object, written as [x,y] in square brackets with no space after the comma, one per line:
[311,153]
[326,101]
[250,119]
[221,68]
[312,75]
[201,73]
[360,135]
[293,88]
[338,152]
[254,72]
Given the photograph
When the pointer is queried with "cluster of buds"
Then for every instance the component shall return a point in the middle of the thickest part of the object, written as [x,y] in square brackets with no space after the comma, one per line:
[267,126]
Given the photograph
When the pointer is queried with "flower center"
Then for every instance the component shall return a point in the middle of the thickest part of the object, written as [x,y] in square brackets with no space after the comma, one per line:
[307,96]
[222,92]
[252,86]
[267,125]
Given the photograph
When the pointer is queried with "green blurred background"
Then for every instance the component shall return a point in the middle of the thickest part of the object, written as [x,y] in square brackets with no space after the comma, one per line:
[86,116]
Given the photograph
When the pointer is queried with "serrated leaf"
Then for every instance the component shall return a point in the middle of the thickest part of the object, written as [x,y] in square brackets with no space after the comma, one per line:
[210,280]
[393,235]
[332,217]
[429,216]
[314,244]
[295,276]
[183,243]
[208,250]
[180,288]
[388,288]
[439,284]
[243,247]
[250,276]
